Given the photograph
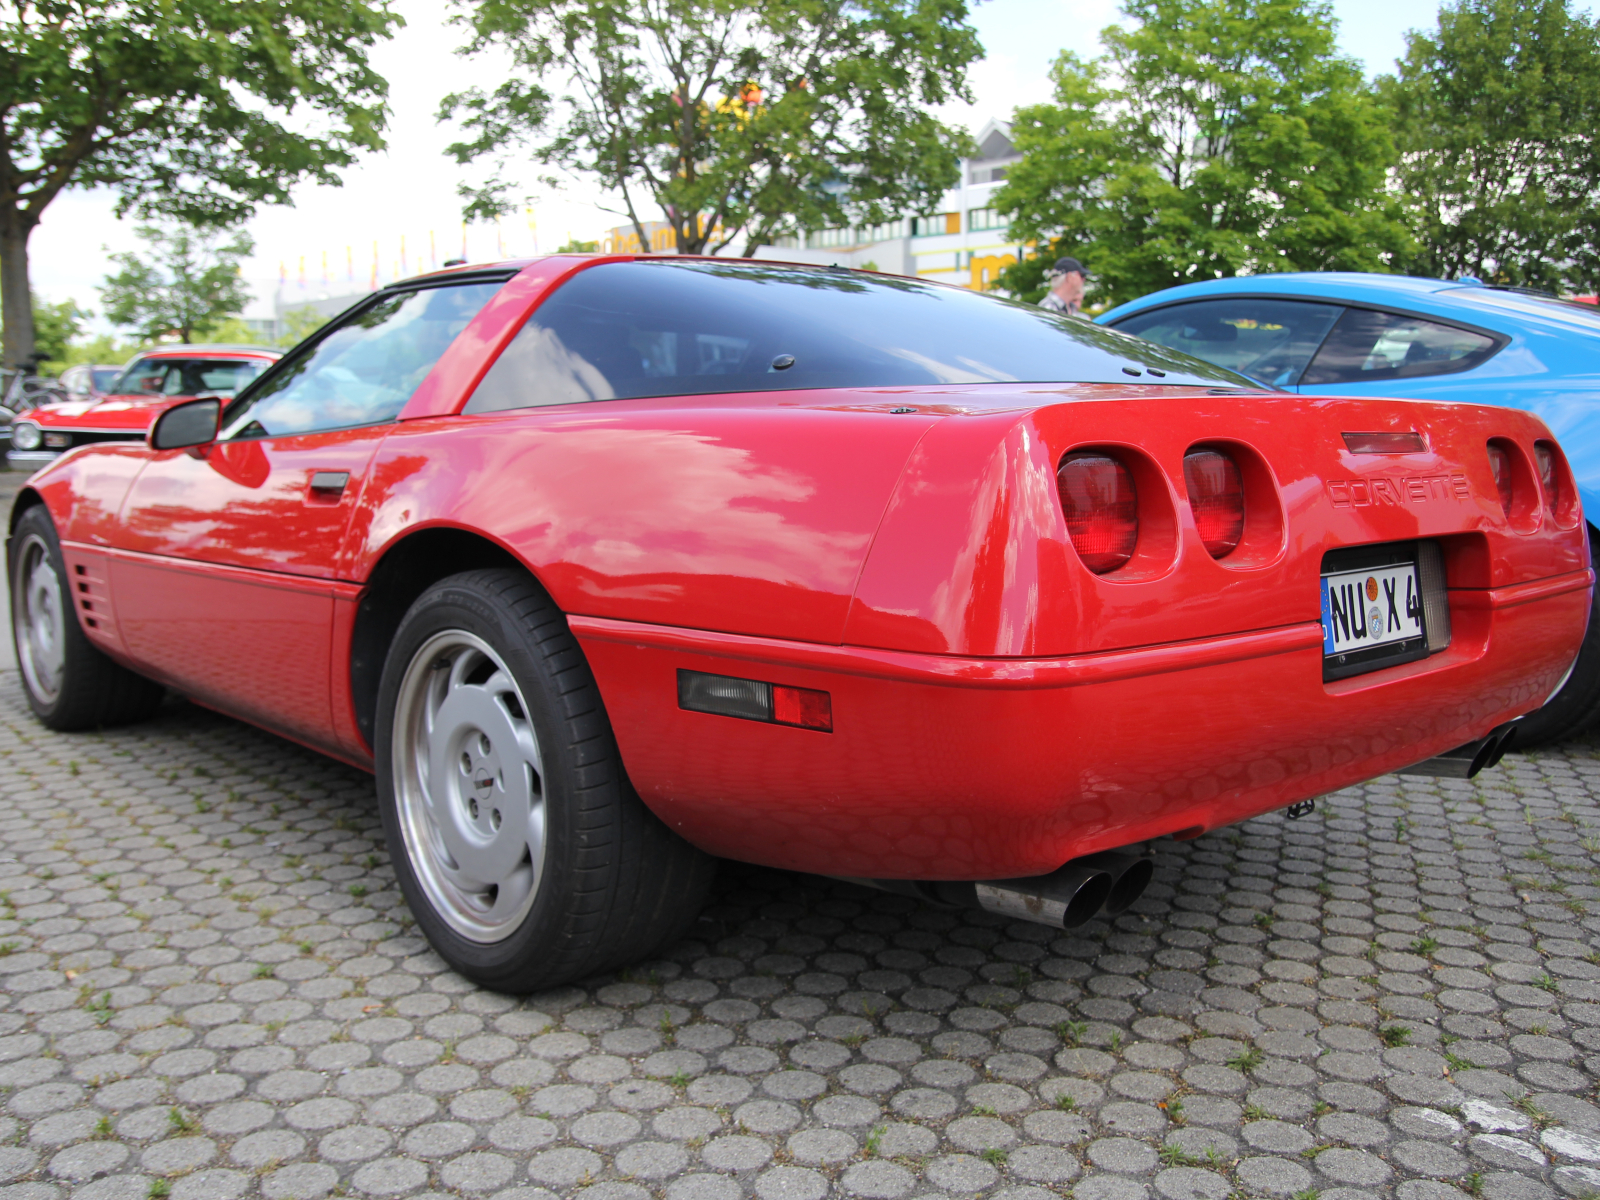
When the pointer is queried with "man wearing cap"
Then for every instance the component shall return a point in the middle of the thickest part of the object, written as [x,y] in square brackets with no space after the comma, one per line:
[1066,279]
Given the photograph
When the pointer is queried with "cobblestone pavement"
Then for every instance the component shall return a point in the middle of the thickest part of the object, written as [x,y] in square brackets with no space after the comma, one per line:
[209,989]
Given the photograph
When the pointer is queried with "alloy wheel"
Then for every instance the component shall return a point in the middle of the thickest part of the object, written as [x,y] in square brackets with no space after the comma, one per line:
[469,786]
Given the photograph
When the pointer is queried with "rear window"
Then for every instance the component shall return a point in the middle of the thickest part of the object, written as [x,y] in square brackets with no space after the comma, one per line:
[186,376]
[1367,346]
[662,328]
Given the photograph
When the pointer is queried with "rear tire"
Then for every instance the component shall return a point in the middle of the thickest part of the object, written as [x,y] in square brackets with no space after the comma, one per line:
[1577,705]
[525,855]
[70,684]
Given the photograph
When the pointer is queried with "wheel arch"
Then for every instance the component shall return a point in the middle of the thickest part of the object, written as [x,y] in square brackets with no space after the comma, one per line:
[26,499]
[407,569]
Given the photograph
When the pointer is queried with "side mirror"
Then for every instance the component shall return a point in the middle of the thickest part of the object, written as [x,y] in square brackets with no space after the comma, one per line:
[190,424]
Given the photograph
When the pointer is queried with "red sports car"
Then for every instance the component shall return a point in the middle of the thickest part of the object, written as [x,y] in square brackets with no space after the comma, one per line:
[609,565]
[144,389]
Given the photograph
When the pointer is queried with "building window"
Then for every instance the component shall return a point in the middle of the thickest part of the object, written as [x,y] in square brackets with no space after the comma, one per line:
[937,223]
[985,218]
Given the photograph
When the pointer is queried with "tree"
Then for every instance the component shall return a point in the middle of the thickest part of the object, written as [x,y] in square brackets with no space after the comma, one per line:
[1498,118]
[55,325]
[189,284]
[180,106]
[1214,138]
[752,117]
[298,324]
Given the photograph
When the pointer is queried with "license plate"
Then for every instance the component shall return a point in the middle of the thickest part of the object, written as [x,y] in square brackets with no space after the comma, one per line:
[1364,610]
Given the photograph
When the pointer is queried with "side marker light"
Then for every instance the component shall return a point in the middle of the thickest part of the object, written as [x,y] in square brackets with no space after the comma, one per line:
[753,700]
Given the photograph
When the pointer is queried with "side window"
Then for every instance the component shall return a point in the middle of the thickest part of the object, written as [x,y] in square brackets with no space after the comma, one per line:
[1367,345]
[1269,340]
[365,370]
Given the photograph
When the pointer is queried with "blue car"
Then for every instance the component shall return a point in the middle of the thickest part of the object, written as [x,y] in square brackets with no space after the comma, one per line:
[1395,335]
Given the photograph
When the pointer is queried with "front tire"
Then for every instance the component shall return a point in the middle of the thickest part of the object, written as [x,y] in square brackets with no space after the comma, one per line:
[525,855]
[70,684]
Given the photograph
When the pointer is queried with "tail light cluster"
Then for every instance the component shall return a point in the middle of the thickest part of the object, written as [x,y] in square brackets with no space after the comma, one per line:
[1216,494]
[1101,505]
[1108,511]
[1527,490]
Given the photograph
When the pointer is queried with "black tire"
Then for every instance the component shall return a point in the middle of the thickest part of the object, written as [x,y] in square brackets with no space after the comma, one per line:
[90,691]
[616,883]
[1577,705]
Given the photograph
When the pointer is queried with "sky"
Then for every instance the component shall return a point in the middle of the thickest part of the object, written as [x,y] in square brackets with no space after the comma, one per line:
[406,195]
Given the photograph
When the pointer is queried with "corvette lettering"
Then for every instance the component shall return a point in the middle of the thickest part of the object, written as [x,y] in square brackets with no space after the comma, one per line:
[1414,489]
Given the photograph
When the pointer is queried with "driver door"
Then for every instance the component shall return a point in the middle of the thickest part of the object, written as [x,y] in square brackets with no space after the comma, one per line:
[230,553]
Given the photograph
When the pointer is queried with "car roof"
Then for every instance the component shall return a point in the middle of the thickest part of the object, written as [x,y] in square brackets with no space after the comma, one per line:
[210,350]
[1470,303]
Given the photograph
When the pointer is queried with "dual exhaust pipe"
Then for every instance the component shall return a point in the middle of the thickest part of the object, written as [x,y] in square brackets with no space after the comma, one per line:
[1466,761]
[1064,899]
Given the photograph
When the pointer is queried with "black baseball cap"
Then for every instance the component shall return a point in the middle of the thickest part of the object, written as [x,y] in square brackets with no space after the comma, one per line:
[1065,266]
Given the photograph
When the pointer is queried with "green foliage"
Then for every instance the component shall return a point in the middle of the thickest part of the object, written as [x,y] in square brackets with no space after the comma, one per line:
[735,117]
[54,327]
[103,349]
[233,332]
[188,285]
[574,246]
[182,107]
[1498,122]
[1214,138]
[298,324]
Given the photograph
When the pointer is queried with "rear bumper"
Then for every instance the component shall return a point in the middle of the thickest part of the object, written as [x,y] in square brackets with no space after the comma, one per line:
[965,768]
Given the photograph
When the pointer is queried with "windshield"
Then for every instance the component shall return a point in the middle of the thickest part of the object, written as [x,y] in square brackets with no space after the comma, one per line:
[664,328]
[186,376]
[104,377]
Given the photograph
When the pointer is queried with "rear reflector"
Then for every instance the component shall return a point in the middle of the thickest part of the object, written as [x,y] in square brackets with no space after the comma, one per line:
[775,704]
[1410,442]
[1549,478]
[1101,508]
[1500,464]
[1216,495]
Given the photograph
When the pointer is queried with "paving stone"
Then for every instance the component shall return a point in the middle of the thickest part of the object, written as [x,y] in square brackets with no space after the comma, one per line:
[277,1024]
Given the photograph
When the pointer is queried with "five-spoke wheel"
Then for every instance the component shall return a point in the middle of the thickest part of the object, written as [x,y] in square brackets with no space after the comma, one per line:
[469,786]
[70,683]
[522,850]
[40,622]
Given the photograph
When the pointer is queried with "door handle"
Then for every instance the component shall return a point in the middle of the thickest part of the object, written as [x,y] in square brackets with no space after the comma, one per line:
[328,485]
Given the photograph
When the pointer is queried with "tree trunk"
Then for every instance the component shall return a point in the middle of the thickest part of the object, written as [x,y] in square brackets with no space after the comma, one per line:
[16,296]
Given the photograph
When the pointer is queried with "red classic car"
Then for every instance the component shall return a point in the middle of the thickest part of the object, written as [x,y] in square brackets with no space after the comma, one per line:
[609,565]
[148,386]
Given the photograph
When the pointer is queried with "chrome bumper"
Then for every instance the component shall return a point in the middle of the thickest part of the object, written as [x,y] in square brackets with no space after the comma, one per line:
[32,459]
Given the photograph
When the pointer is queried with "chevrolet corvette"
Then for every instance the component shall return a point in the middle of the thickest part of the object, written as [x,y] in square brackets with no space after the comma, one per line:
[609,566]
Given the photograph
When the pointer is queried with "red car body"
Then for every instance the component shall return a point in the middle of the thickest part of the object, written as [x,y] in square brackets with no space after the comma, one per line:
[121,416]
[997,709]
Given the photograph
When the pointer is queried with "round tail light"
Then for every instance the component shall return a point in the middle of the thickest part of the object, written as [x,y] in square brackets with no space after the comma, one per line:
[1500,464]
[1101,507]
[1549,477]
[1216,495]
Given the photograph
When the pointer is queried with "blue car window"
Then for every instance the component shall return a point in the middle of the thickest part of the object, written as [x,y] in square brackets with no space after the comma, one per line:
[1367,346]
[1269,340]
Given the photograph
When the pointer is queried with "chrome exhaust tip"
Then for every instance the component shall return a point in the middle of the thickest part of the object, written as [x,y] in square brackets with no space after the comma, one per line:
[1063,899]
[1130,875]
[1464,762]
